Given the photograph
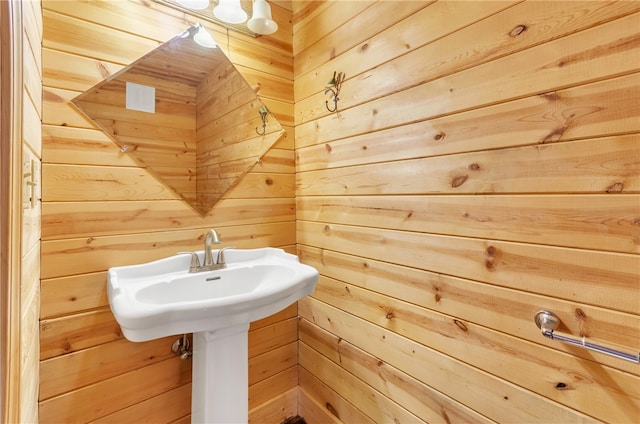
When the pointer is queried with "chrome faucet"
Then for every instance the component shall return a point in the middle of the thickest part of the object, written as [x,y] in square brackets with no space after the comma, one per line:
[209,264]
[211,237]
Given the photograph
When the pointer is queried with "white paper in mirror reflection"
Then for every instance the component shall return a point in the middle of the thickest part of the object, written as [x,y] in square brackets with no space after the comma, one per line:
[261,22]
[140,97]
[230,11]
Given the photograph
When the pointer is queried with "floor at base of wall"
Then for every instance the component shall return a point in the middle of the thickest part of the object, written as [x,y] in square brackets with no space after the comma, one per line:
[294,420]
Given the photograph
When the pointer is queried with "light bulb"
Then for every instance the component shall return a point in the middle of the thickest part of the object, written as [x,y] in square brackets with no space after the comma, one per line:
[261,21]
[203,38]
[230,11]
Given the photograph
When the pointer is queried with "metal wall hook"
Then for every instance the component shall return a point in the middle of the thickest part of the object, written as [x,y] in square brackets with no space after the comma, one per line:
[547,322]
[263,117]
[334,89]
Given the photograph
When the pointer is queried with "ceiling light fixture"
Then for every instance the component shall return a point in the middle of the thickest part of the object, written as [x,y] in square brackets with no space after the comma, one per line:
[261,21]
[230,11]
[203,38]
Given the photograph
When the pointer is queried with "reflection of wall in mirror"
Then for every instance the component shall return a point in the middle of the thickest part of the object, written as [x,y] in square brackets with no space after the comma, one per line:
[225,103]
[200,138]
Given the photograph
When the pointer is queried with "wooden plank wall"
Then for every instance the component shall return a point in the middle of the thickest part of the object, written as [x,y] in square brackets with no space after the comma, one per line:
[227,143]
[100,209]
[164,142]
[32,209]
[484,164]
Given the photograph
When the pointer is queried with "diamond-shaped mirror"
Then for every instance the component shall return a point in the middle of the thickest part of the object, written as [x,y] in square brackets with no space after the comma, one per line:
[187,115]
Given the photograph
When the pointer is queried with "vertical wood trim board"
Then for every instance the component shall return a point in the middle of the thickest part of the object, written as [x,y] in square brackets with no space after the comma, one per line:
[31,225]
[112,211]
[22,111]
[10,212]
[483,165]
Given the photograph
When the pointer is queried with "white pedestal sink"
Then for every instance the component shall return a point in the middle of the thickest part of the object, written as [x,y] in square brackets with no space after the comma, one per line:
[162,298]
[220,376]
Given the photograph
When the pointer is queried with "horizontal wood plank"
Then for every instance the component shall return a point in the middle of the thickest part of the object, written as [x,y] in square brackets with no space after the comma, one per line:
[60,336]
[427,48]
[272,387]
[533,268]
[271,363]
[506,357]
[526,73]
[277,410]
[73,294]
[82,219]
[95,254]
[69,372]
[426,403]
[311,407]
[588,111]
[599,222]
[608,165]
[93,183]
[166,407]
[389,31]
[116,393]
[510,311]
[270,337]
[480,391]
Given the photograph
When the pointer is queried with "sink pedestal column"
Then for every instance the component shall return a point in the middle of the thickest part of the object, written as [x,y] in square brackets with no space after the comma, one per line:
[220,376]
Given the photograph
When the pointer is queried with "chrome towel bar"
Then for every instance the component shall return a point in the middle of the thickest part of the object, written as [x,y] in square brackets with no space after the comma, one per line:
[547,322]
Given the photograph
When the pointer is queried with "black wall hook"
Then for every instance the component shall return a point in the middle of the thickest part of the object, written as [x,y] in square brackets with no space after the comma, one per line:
[334,89]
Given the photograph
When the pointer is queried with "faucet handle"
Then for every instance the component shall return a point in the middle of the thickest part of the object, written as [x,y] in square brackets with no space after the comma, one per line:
[220,259]
[195,261]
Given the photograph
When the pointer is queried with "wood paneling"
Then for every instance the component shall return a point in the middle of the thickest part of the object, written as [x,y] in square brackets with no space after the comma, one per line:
[30,104]
[483,165]
[102,209]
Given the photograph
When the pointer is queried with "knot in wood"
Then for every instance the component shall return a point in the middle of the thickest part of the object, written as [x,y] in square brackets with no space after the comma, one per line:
[104,71]
[615,187]
[459,180]
[461,325]
[474,167]
[332,410]
[517,30]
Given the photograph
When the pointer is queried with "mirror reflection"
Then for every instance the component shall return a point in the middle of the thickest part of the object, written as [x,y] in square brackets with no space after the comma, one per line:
[187,115]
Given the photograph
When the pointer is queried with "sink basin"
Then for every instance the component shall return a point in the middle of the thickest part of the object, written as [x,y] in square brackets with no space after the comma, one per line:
[162,298]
